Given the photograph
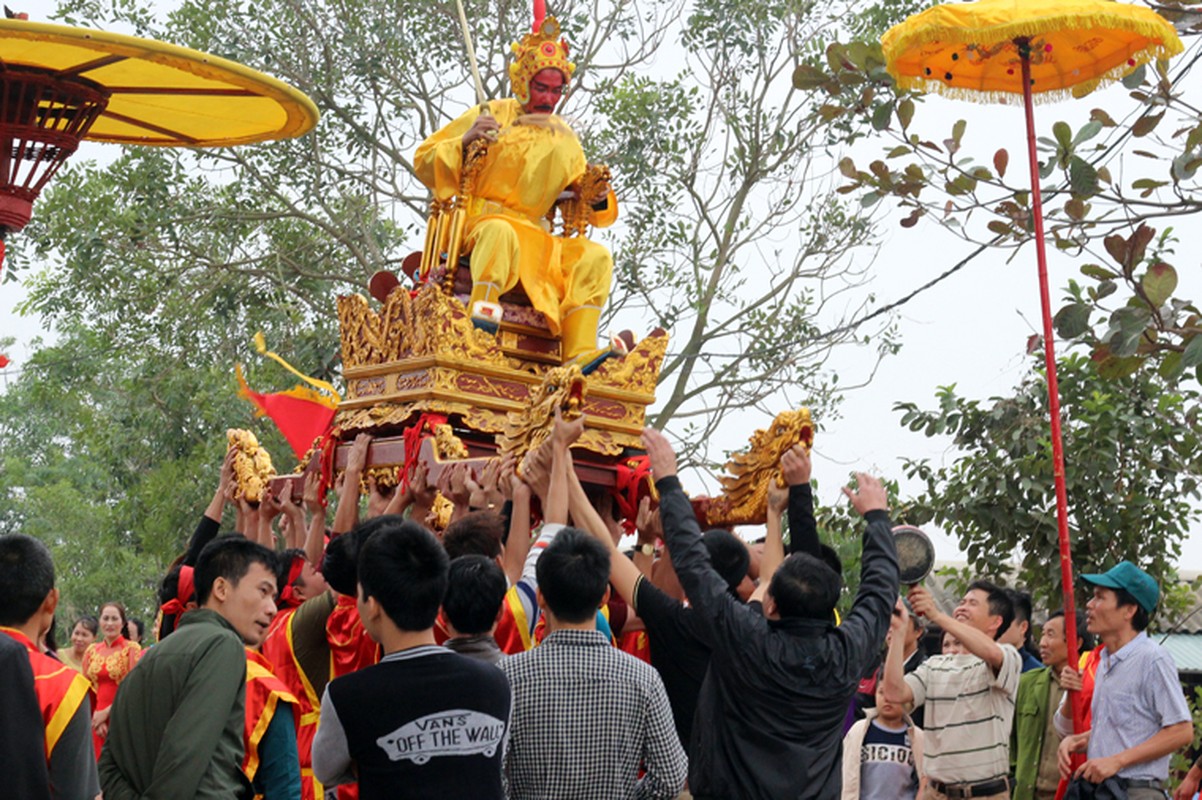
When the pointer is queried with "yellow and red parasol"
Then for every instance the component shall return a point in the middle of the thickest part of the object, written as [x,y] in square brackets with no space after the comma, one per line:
[1007,50]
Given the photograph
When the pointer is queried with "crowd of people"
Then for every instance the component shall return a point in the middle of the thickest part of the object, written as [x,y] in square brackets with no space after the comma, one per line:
[515,650]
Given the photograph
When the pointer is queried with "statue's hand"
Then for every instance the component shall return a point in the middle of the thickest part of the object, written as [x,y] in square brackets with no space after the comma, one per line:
[485,127]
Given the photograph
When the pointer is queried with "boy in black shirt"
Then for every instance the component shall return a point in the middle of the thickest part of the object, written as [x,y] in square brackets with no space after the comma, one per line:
[424,722]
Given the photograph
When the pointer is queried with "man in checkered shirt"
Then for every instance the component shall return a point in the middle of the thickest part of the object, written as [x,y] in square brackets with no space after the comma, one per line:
[585,714]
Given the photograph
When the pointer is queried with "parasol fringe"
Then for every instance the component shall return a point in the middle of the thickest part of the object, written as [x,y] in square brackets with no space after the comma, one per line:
[934,85]
[1162,38]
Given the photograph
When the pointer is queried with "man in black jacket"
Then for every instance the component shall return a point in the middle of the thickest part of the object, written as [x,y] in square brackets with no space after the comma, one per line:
[769,719]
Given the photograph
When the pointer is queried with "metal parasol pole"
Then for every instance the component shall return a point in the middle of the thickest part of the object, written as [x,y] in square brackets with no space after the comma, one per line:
[1066,564]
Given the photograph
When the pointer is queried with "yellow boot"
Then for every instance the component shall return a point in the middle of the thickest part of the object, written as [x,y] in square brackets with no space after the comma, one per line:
[578,339]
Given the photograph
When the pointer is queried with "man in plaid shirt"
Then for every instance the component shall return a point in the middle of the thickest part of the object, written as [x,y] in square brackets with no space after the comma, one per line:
[585,715]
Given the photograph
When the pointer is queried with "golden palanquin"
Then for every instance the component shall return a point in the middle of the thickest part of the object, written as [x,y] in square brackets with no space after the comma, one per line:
[419,354]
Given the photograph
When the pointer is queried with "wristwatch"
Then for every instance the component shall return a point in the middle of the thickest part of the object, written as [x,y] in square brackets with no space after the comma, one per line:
[647,549]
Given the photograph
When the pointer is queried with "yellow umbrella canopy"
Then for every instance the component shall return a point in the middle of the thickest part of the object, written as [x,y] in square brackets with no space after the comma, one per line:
[59,85]
[970,50]
[158,93]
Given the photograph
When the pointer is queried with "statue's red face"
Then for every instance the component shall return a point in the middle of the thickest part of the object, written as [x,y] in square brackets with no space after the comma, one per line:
[546,90]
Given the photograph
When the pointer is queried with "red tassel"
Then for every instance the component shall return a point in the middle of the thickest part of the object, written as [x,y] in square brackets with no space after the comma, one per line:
[540,14]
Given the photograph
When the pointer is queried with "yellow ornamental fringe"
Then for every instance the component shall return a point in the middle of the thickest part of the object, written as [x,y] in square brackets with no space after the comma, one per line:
[934,85]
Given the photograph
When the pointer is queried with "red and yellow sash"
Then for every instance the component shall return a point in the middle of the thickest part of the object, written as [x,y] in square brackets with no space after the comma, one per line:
[264,693]
[60,689]
[279,653]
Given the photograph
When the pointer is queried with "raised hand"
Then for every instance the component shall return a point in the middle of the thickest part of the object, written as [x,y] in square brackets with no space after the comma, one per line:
[778,498]
[660,453]
[356,461]
[647,522]
[795,465]
[869,495]
[564,433]
[312,496]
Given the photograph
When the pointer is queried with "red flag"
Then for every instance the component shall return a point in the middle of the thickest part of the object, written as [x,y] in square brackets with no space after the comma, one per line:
[300,413]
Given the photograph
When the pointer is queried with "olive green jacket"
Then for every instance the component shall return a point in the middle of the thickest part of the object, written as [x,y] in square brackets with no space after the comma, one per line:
[1026,737]
[175,731]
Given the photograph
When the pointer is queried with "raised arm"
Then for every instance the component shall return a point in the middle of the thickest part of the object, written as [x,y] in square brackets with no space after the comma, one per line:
[210,522]
[893,675]
[315,536]
[774,547]
[868,621]
[562,435]
[623,574]
[702,585]
[347,515]
[796,468]
[975,641]
[650,530]
[517,545]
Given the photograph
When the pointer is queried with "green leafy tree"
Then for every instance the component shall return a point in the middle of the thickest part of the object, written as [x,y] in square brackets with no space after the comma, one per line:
[1132,470]
[1107,186]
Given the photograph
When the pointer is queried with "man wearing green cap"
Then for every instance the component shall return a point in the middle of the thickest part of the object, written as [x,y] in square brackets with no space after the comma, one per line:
[1139,714]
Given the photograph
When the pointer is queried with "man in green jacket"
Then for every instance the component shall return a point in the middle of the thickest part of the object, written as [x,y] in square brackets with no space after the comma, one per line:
[1033,740]
[177,723]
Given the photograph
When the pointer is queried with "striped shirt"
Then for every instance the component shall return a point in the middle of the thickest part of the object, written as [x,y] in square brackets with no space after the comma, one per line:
[968,715]
[1136,694]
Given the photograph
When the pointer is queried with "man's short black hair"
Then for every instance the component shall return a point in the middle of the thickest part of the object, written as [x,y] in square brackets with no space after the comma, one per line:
[229,557]
[1020,602]
[1125,598]
[404,568]
[478,533]
[573,573]
[830,557]
[728,555]
[1085,639]
[999,603]
[475,590]
[805,587]
[340,563]
[26,577]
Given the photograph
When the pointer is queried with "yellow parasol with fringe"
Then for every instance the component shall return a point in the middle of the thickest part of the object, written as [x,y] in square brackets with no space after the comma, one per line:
[970,51]
[1007,50]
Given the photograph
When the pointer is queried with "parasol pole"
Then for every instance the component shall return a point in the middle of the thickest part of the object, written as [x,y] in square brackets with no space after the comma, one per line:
[1066,564]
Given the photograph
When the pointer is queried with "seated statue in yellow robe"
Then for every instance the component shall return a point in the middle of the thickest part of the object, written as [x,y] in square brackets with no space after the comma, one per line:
[533,157]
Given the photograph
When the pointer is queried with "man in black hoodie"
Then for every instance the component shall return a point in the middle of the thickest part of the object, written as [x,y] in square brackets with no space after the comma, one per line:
[770,715]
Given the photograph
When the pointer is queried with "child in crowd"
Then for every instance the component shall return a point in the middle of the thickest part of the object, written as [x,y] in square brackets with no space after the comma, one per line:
[882,754]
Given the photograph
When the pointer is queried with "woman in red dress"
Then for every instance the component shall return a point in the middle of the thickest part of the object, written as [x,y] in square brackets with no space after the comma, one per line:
[106,662]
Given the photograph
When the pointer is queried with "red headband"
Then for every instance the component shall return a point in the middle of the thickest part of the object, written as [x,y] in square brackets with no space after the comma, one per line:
[288,598]
[183,592]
